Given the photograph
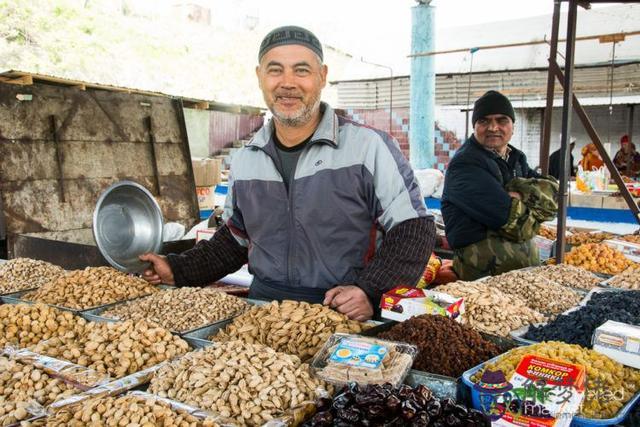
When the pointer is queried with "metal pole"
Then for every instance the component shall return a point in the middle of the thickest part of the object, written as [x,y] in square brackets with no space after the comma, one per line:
[551,84]
[567,111]
[631,108]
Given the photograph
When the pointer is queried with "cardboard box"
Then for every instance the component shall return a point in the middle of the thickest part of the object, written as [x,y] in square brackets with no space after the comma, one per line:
[629,249]
[619,341]
[403,302]
[205,234]
[206,197]
[614,202]
[206,172]
[582,200]
[546,247]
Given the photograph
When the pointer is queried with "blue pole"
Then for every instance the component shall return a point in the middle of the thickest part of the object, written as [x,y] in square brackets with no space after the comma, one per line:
[423,88]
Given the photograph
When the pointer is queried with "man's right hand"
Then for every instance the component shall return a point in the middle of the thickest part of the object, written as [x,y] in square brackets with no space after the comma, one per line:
[160,270]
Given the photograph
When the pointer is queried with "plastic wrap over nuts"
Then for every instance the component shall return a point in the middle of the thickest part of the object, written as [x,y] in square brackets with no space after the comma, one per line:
[250,383]
[134,409]
[78,376]
[25,390]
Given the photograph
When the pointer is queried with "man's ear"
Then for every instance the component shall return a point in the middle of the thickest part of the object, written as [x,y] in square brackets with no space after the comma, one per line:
[324,70]
[258,76]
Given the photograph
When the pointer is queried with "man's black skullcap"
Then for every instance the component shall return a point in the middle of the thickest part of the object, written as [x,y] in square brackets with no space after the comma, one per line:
[290,34]
[492,102]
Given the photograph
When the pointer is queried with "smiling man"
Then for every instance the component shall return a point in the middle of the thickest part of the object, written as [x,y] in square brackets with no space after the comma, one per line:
[323,209]
[476,205]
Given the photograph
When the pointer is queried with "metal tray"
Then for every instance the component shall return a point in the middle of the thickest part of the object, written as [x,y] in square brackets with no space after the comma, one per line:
[518,334]
[199,338]
[14,292]
[16,298]
[95,314]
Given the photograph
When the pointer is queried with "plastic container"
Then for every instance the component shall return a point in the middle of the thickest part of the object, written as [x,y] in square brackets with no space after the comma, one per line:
[576,422]
[348,358]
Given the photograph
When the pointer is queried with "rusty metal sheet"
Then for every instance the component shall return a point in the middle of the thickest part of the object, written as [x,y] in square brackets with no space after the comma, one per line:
[29,160]
[102,139]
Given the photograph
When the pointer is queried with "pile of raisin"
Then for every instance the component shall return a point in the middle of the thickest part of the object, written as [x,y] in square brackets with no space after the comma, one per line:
[385,405]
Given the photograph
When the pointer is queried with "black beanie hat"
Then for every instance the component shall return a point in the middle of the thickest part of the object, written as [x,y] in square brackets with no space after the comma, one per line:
[492,102]
[290,34]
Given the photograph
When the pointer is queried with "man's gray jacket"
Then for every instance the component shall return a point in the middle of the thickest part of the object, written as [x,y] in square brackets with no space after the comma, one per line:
[351,187]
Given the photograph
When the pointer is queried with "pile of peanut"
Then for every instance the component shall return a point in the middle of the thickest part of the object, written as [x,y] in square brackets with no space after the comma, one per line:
[91,287]
[539,293]
[19,274]
[568,275]
[598,258]
[23,325]
[292,327]
[20,384]
[181,309]
[628,279]
[250,383]
[127,410]
[490,310]
[118,349]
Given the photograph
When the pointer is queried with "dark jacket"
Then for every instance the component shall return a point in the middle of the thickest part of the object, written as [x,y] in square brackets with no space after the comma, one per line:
[474,199]
[554,165]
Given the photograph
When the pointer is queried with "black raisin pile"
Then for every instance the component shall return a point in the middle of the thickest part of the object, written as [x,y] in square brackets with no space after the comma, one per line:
[386,405]
[578,326]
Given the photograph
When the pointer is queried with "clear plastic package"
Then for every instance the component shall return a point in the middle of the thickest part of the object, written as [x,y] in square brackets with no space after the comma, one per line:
[348,358]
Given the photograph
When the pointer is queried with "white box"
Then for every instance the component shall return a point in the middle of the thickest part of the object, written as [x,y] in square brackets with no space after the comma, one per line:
[619,341]
[628,249]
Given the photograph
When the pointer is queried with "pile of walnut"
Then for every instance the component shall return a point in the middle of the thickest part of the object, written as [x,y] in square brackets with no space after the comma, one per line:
[292,327]
[568,275]
[21,384]
[547,232]
[598,258]
[628,279]
[181,309]
[538,292]
[91,287]
[250,383]
[490,310]
[584,238]
[23,325]
[128,410]
[19,274]
[118,349]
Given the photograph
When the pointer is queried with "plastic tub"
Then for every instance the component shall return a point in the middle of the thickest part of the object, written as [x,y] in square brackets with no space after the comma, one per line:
[576,422]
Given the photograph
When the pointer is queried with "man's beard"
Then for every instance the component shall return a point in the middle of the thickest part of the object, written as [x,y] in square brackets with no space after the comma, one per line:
[299,117]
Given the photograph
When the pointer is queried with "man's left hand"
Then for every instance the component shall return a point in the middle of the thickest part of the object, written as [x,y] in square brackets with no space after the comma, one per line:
[349,300]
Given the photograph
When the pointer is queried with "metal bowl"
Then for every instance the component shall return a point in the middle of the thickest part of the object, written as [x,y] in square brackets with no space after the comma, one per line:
[127,222]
